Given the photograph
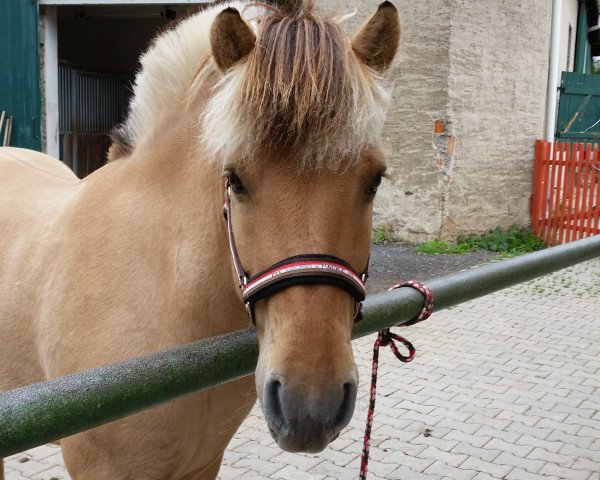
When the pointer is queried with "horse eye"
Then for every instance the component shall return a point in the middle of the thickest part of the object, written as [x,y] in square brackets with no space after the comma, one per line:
[372,190]
[236,184]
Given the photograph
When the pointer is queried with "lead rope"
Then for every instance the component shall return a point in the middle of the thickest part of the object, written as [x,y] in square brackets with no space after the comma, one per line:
[387,338]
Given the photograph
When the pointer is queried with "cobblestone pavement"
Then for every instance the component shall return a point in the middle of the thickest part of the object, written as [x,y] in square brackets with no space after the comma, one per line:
[506,387]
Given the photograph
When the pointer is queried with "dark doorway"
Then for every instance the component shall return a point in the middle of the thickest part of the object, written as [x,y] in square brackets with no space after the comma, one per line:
[98,51]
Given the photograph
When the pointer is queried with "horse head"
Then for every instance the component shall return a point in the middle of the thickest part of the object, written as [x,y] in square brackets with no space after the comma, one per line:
[296,116]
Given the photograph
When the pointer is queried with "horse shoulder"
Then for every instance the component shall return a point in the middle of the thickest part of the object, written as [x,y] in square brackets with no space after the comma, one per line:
[32,190]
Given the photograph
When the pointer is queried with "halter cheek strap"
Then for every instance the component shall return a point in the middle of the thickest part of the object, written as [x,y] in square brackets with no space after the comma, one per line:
[310,269]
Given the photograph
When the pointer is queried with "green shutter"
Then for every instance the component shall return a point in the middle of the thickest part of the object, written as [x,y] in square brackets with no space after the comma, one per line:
[578,108]
[20,71]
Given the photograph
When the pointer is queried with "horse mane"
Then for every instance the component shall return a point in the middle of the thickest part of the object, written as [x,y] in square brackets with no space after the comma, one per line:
[301,90]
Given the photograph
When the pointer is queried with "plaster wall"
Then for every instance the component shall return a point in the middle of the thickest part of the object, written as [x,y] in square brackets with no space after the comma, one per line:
[469,92]
[410,202]
[499,54]
[468,103]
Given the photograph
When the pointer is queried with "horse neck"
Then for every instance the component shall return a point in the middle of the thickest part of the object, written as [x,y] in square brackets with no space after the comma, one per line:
[183,198]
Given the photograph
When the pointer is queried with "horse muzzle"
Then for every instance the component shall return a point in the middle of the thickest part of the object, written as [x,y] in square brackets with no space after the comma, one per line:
[301,422]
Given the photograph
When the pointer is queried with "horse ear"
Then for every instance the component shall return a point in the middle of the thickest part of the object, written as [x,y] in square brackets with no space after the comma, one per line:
[376,43]
[231,39]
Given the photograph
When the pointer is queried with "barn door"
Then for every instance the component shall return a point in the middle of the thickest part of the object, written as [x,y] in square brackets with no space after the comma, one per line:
[91,104]
[579,108]
[20,72]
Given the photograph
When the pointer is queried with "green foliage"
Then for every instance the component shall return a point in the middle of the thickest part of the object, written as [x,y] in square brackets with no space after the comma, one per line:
[383,236]
[596,65]
[433,247]
[506,243]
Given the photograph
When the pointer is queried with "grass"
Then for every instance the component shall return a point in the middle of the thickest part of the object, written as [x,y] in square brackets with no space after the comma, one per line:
[383,236]
[506,243]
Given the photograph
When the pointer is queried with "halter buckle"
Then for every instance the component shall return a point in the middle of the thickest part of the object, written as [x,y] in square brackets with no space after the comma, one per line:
[250,312]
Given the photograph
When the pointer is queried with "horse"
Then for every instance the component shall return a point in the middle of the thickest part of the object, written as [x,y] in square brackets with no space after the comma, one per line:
[270,109]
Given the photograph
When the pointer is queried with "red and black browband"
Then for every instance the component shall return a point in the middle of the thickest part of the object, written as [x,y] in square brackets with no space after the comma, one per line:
[309,269]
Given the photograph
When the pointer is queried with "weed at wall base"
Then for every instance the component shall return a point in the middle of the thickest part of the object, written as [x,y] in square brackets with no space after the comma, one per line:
[506,243]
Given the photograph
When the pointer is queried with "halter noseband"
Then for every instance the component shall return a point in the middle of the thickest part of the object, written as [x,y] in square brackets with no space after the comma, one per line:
[309,269]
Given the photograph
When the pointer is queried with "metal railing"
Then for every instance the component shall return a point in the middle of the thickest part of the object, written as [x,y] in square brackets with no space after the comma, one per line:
[47,411]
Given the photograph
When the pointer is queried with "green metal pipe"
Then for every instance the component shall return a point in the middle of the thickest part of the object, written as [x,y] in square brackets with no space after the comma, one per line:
[47,411]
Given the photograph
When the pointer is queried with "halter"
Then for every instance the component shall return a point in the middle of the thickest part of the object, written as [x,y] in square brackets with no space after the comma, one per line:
[307,269]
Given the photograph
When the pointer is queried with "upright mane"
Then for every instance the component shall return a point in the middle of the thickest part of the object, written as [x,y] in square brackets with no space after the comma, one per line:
[300,92]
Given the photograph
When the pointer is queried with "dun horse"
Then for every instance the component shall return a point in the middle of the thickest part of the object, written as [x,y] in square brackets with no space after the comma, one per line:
[274,105]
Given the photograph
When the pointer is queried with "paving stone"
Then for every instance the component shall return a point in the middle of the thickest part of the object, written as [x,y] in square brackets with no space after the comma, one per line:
[292,473]
[529,441]
[305,462]
[330,469]
[55,473]
[572,439]
[417,464]
[469,426]
[551,457]
[507,436]
[495,469]
[571,429]
[402,473]
[515,449]
[259,465]
[592,453]
[583,463]
[517,427]
[30,467]
[453,459]
[485,454]
[482,476]
[444,445]
[528,464]
[440,468]
[519,474]
[14,475]
[566,473]
[228,472]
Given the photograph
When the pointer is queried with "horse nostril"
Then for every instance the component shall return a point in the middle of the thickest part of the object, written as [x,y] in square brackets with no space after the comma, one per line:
[273,408]
[347,407]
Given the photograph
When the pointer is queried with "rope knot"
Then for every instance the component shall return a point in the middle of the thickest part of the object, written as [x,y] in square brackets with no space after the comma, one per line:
[389,339]
[386,337]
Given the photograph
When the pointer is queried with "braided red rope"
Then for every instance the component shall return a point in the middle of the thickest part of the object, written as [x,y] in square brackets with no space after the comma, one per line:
[387,338]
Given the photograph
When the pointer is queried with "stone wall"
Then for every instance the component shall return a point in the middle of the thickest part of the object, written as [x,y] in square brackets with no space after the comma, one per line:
[469,102]
[497,103]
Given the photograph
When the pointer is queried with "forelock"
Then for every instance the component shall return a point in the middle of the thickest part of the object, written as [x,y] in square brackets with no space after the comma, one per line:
[301,92]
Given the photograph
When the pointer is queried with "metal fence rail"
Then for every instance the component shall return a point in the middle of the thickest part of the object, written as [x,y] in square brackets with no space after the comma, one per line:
[47,411]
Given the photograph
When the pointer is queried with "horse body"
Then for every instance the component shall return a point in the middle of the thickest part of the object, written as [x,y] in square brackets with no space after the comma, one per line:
[134,258]
[103,269]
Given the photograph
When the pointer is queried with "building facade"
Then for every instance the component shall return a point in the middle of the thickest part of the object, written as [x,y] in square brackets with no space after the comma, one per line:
[471,95]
